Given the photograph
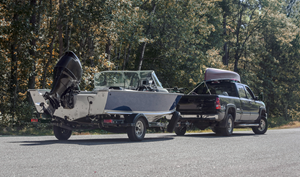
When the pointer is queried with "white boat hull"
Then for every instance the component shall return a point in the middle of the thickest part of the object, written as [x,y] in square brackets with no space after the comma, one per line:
[153,105]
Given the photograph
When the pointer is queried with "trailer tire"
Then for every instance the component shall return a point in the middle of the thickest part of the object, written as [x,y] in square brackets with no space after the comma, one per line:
[61,133]
[138,131]
[173,122]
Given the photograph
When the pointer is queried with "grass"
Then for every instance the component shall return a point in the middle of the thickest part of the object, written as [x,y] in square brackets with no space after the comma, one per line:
[208,130]
[25,131]
[295,124]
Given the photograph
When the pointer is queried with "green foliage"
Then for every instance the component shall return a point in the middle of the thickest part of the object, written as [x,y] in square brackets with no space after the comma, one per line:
[177,39]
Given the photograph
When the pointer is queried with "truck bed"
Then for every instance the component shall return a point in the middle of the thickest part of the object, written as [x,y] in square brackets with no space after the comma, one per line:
[197,104]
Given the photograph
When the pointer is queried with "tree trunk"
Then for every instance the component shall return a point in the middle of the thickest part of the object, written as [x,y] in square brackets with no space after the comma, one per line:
[48,62]
[124,60]
[237,50]
[51,33]
[60,30]
[225,57]
[118,53]
[142,56]
[68,37]
[13,70]
[31,81]
[68,28]
[13,80]
[91,51]
[107,50]
[147,32]
[126,56]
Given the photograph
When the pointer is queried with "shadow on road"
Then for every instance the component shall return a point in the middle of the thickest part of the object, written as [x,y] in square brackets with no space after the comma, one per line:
[90,142]
[213,135]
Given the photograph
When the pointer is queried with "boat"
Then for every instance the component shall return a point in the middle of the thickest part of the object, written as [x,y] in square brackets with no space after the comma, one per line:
[220,74]
[121,101]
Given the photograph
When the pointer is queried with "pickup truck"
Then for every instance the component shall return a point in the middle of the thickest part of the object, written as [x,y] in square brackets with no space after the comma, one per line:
[222,103]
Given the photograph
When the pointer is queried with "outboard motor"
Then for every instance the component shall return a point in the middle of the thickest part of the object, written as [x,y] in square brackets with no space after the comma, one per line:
[66,79]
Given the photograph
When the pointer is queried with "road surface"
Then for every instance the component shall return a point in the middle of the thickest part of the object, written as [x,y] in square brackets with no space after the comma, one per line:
[277,153]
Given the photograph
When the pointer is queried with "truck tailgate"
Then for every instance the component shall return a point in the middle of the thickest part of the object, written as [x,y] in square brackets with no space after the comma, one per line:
[197,104]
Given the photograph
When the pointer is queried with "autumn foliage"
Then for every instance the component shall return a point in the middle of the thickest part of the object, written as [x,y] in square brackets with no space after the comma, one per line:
[177,39]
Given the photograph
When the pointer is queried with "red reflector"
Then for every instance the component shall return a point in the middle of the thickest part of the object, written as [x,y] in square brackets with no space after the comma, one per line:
[107,121]
[34,120]
[218,104]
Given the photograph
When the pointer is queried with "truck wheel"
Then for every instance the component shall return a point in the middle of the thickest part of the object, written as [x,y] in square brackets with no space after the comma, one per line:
[227,130]
[137,132]
[173,122]
[61,133]
[180,131]
[262,128]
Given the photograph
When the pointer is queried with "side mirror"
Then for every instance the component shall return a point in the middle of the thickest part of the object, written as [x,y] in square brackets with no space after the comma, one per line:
[261,96]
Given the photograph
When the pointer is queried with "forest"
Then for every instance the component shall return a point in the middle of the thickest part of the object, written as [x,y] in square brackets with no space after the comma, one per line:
[178,39]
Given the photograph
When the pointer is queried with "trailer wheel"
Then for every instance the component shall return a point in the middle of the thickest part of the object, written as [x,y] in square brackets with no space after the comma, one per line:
[262,128]
[61,133]
[180,131]
[138,131]
[173,122]
[227,130]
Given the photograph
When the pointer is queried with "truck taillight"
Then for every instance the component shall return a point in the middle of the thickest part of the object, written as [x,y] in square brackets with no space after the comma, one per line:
[218,104]
[107,121]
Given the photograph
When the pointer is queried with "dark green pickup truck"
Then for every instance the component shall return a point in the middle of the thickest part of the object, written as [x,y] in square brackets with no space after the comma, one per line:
[222,103]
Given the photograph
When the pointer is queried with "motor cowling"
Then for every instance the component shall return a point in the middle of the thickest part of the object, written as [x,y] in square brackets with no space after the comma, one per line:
[66,80]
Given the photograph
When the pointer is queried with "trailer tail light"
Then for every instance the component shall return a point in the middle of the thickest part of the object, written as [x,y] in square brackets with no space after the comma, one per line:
[108,121]
[218,104]
[34,120]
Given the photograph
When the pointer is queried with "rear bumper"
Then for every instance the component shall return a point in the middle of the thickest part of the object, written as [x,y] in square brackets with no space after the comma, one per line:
[195,117]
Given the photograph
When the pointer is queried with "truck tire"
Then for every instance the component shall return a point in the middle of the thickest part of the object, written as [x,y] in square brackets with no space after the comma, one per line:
[227,130]
[61,133]
[173,122]
[262,128]
[180,131]
[138,131]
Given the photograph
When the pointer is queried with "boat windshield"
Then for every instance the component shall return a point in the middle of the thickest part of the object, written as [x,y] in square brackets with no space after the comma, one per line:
[125,79]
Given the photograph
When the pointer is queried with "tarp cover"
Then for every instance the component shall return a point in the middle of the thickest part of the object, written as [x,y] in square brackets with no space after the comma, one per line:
[219,74]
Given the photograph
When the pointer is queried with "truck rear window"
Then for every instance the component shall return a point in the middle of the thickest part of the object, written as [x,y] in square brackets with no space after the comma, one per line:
[216,87]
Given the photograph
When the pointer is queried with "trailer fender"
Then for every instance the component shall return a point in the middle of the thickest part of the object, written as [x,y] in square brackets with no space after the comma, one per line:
[133,117]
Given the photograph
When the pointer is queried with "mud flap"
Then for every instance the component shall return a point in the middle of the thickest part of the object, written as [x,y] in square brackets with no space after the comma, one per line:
[173,122]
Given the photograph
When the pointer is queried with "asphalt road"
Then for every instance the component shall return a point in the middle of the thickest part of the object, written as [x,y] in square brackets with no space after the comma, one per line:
[277,153]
